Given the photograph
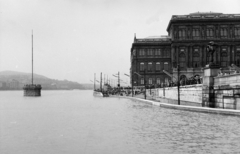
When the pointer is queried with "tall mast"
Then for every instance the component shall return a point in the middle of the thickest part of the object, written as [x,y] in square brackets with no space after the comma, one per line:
[32,57]
[101,82]
[94,81]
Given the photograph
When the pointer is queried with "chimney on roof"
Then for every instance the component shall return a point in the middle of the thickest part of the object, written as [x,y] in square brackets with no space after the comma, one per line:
[134,37]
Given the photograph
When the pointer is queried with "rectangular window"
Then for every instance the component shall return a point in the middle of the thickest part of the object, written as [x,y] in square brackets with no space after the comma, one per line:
[141,52]
[166,66]
[141,66]
[182,33]
[166,80]
[150,52]
[167,53]
[150,66]
[209,32]
[182,64]
[223,32]
[142,81]
[150,81]
[157,66]
[224,58]
[158,52]
[237,32]
[158,81]
[195,33]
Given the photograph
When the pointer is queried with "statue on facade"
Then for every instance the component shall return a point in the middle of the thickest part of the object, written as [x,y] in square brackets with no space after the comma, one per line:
[211,49]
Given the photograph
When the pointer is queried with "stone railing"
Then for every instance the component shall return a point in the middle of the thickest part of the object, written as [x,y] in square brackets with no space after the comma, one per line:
[205,16]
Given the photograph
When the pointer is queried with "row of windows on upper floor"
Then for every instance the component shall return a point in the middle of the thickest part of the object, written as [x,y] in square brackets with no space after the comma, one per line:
[196,58]
[152,52]
[209,33]
[150,66]
[151,81]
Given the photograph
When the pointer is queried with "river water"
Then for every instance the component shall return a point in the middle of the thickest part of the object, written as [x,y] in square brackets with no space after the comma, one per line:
[75,122]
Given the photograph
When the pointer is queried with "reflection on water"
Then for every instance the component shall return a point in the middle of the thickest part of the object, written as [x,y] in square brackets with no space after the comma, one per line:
[76,122]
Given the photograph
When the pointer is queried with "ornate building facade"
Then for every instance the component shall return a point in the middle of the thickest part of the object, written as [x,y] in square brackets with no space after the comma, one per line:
[185,45]
[149,57]
[190,35]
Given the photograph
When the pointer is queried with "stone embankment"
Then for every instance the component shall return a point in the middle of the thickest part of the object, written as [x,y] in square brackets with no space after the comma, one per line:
[152,101]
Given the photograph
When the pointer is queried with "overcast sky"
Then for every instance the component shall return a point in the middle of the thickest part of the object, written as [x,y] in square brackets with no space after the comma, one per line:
[73,39]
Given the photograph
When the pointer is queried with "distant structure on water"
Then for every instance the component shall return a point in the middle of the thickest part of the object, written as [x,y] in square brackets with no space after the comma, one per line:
[32,89]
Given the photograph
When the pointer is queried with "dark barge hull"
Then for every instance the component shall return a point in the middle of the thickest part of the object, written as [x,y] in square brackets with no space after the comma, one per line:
[32,90]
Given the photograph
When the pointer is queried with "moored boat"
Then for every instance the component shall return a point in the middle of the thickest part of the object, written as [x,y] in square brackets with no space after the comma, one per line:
[97,93]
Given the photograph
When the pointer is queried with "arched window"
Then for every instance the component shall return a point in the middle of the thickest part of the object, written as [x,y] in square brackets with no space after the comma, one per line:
[196,59]
[166,66]
[142,66]
[224,59]
[182,60]
[150,66]
[158,66]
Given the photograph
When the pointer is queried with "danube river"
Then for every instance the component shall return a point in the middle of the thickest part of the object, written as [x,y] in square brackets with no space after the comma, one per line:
[75,122]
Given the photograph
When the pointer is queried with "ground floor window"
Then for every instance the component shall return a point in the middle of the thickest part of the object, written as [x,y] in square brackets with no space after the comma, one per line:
[150,81]
[142,81]
[166,66]
[182,60]
[224,59]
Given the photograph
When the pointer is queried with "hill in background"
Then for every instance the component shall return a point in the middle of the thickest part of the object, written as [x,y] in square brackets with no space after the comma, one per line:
[11,80]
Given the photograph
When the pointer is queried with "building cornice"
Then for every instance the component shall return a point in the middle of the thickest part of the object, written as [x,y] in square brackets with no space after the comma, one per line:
[203,17]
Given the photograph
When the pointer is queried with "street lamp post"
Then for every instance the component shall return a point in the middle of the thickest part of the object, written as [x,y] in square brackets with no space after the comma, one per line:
[118,76]
[178,84]
[132,82]
[144,82]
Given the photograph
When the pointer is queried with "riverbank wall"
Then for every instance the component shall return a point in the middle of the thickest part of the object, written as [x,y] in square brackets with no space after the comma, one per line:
[190,95]
[183,107]
[218,90]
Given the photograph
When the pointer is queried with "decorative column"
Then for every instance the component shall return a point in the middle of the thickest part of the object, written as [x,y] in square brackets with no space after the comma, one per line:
[233,54]
[204,59]
[219,55]
[177,54]
[201,55]
[190,56]
[173,56]
[229,53]
[186,56]
[210,71]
